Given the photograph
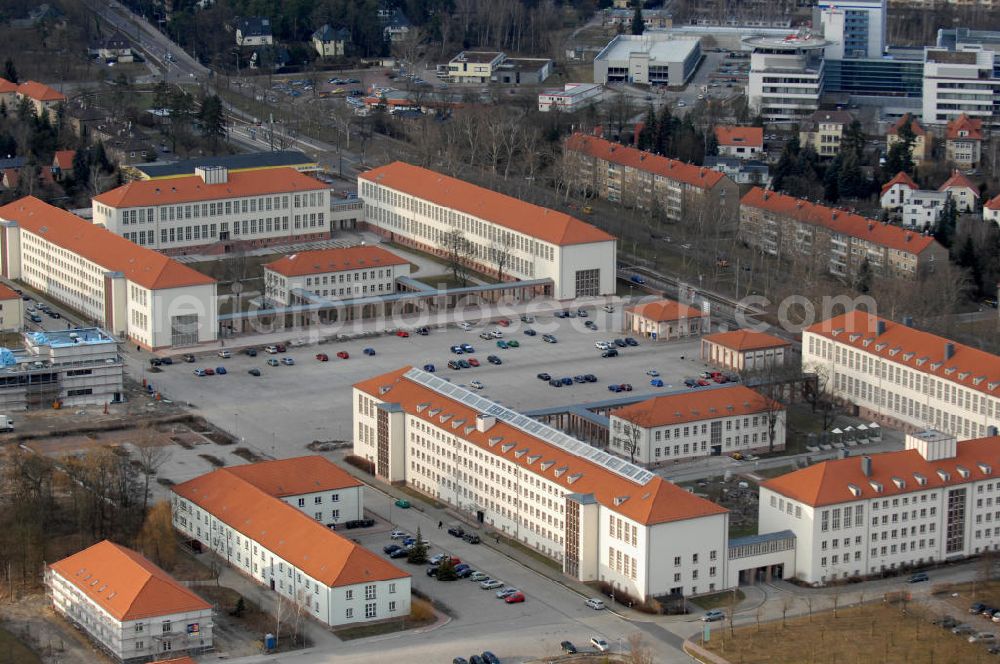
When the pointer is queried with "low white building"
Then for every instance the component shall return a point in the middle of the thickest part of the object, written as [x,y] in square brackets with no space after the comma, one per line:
[897,191]
[474,66]
[132,609]
[133,292]
[272,521]
[936,500]
[601,517]
[904,377]
[923,208]
[215,211]
[254,31]
[418,207]
[697,423]
[333,274]
[740,142]
[571,98]
[650,59]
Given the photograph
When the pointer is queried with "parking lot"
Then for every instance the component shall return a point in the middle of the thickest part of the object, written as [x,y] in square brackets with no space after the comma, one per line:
[288,407]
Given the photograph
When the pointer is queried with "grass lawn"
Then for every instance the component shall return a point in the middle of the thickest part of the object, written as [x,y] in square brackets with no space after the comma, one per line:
[870,634]
[772,472]
[743,529]
[719,600]
[15,651]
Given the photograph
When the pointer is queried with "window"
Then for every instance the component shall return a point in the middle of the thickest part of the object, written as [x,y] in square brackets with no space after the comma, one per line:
[139,645]
[392,606]
[166,627]
[348,595]
[349,613]
[370,591]
[677,561]
[318,516]
[139,627]
[318,500]
[370,610]
[335,497]
[392,588]
[302,502]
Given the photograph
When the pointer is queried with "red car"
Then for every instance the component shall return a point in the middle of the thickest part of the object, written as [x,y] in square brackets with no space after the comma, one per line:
[503,322]
[516,598]
[343,355]
[209,371]
[625,387]
[281,347]
[322,357]
[402,333]
[703,382]
[473,361]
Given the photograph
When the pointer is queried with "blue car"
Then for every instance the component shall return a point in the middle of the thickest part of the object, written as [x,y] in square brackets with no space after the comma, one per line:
[457,350]
[369,351]
[614,388]
[429,368]
[468,348]
[656,382]
[220,371]
[502,344]
[567,381]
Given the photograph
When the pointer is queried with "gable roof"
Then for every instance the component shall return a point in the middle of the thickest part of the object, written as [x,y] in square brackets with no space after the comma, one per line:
[973,127]
[921,351]
[746,340]
[830,482]
[958,180]
[915,126]
[657,501]
[145,267]
[732,135]
[40,91]
[285,531]
[839,221]
[327,34]
[7,87]
[665,310]
[7,293]
[295,476]
[337,259]
[671,169]
[125,584]
[694,406]
[254,26]
[900,178]
[827,117]
[993,203]
[533,220]
[263,182]
[64,159]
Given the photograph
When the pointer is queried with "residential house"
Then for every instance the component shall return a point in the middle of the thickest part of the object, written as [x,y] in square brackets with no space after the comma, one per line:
[680,192]
[338,273]
[824,130]
[330,43]
[8,93]
[745,350]
[964,141]
[741,142]
[835,240]
[114,48]
[991,210]
[920,150]
[665,320]
[254,31]
[571,98]
[897,191]
[62,164]
[474,66]
[43,98]
[923,209]
[741,171]
[395,24]
[962,191]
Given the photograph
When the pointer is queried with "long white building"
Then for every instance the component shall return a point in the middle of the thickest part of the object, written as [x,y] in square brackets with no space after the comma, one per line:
[904,377]
[272,522]
[936,500]
[129,290]
[338,273]
[601,517]
[217,210]
[960,81]
[697,423]
[129,607]
[419,207]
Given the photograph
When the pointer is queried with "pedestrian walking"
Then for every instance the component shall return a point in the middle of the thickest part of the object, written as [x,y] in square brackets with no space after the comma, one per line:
[440,524]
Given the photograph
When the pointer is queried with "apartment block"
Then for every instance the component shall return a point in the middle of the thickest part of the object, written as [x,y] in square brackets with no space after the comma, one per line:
[642,180]
[964,141]
[333,274]
[904,377]
[959,82]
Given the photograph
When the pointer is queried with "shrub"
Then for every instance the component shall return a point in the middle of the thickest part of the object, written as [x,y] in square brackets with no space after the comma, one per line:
[361,463]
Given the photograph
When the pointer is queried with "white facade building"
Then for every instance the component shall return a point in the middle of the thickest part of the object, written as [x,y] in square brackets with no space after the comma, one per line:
[129,607]
[215,207]
[419,207]
[571,98]
[334,274]
[786,76]
[601,517]
[854,28]
[653,58]
[905,377]
[132,291]
[267,520]
[936,500]
[897,191]
[991,210]
[474,66]
[699,423]
[923,207]
[960,81]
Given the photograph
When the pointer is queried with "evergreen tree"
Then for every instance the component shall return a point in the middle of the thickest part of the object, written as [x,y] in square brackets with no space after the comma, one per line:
[831,189]
[945,231]
[899,159]
[863,279]
[418,554]
[9,71]
[851,181]
[81,167]
[968,259]
[854,141]
[446,570]
[638,26]
[213,120]
[647,135]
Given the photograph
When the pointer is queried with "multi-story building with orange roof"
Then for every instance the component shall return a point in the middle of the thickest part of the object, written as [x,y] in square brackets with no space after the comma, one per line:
[420,208]
[272,522]
[745,350]
[217,211]
[920,150]
[741,142]
[961,190]
[840,241]
[42,98]
[621,174]
[697,423]
[666,319]
[342,272]
[964,141]
[134,292]
[132,609]
[904,377]
[600,516]
[936,500]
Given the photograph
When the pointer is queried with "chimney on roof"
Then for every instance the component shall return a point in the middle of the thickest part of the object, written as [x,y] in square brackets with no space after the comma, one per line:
[949,350]
[908,236]
[880,328]
[866,466]
[765,194]
[908,321]
[212,174]
[485,422]
[871,225]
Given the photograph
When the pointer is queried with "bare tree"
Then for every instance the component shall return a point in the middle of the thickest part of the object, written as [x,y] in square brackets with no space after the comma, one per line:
[282,610]
[638,651]
[631,437]
[151,456]
[500,253]
[458,252]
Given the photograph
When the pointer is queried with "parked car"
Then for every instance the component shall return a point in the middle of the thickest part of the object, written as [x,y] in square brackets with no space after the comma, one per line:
[503,322]
[567,381]
[188,357]
[544,376]
[281,347]
[359,523]
[401,552]
[713,615]
[514,343]
[591,325]
[343,354]
[273,362]
[464,364]
[515,598]
[977,607]
[224,354]
[599,643]
[453,364]
[465,326]
[611,352]
[254,372]
[473,362]
[402,503]
[493,359]
[271,350]
[555,382]
[595,603]
[530,332]
[504,592]
[403,333]
[287,361]
[502,344]
[429,368]
[389,548]
[490,584]
[220,371]
[590,378]
[250,352]
[166,360]
[653,373]
[656,382]
[631,342]
[471,538]
[467,348]
[964,628]
[369,351]
[397,534]
[983,637]
[918,577]
[200,372]
[549,339]
[464,572]
[322,357]
[568,647]
[209,371]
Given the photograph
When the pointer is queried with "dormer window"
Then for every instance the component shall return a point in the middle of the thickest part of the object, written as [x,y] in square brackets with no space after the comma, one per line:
[963,471]
[855,490]
[921,479]
[899,482]
[876,486]
[944,475]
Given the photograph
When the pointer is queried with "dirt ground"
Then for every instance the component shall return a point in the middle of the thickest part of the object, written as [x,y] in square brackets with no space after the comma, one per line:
[37,626]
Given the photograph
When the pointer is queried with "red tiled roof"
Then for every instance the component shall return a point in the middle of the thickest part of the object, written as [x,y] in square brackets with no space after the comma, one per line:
[733,135]
[959,181]
[298,539]
[665,310]
[921,351]
[828,482]
[6,87]
[7,293]
[915,126]
[900,178]
[295,476]
[535,221]
[840,221]
[263,182]
[334,260]
[746,340]
[993,203]
[64,159]
[176,660]
[140,265]
[125,584]
[973,126]
[695,176]
[657,501]
[694,406]
[40,92]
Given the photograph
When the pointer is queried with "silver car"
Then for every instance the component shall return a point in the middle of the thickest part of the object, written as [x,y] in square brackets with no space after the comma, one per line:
[490,584]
